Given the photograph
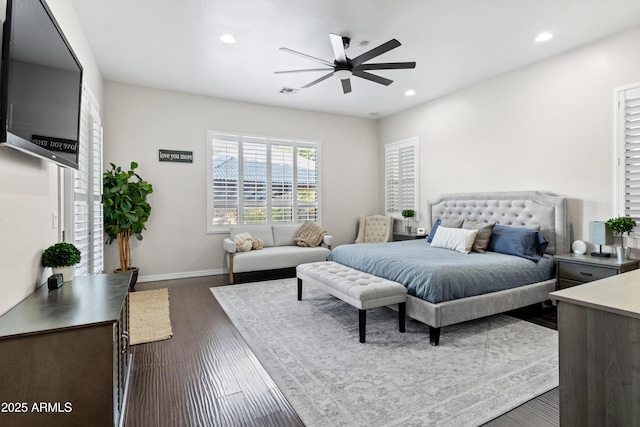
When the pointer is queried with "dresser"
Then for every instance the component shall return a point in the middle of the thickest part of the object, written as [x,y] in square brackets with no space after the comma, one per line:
[573,269]
[599,346]
[64,355]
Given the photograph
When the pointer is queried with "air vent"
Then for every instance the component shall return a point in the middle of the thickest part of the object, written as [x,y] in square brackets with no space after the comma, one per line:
[289,91]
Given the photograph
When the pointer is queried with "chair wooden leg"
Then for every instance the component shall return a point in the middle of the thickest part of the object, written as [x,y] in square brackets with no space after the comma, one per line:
[402,311]
[299,289]
[362,323]
[231,278]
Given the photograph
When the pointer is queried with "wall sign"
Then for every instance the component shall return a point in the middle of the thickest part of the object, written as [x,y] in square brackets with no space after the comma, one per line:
[175,156]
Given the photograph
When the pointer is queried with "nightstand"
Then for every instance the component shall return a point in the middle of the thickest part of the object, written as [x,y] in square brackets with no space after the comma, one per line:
[573,269]
[408,236]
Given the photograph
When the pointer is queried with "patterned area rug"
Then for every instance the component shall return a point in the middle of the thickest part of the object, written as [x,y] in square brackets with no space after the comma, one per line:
[480,370]
[149,316]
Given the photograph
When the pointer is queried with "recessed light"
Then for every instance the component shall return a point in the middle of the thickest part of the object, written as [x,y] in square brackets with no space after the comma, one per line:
[227,38]
[543,37]
[410,93]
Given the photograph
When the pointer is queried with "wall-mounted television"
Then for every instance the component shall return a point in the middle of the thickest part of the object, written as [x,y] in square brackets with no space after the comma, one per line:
[41,85]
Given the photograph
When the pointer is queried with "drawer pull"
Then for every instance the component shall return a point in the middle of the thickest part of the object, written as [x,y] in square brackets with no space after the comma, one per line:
[584,273]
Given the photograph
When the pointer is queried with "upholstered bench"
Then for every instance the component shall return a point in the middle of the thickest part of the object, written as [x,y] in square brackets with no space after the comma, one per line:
[361,290]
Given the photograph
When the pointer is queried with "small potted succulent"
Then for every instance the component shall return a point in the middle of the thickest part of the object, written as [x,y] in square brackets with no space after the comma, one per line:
[619,226]
[408,215]
[61,257]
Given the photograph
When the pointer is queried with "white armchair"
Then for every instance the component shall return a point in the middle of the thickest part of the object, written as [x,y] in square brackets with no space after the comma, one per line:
[375,229]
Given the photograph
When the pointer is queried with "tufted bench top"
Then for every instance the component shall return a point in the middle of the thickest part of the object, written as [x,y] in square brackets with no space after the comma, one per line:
[362,290]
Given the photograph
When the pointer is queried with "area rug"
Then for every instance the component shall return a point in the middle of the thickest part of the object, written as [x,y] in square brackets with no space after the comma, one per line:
[480,370]
[149,316]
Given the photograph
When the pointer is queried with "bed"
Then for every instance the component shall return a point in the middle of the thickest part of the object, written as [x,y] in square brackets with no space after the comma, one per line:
[460,287]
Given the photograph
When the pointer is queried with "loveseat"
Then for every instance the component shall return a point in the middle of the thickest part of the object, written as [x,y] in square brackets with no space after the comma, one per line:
[279,250]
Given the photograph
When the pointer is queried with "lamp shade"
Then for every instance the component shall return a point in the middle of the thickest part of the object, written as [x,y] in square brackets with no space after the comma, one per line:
[600,233]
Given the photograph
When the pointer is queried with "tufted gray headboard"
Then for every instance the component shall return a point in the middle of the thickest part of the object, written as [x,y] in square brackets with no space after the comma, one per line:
[517,208]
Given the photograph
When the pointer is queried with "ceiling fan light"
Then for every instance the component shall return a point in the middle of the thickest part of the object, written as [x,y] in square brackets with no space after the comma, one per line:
[342,74]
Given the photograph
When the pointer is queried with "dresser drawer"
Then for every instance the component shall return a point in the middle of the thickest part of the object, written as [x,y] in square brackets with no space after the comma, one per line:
[584,273]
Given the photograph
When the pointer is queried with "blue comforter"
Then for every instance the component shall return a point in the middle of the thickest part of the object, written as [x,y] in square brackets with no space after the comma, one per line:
[437,275]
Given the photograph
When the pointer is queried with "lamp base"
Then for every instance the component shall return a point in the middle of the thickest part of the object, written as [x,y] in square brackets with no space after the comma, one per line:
[601,254]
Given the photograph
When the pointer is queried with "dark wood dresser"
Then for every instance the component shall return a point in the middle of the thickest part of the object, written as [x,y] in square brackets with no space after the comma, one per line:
[64,355]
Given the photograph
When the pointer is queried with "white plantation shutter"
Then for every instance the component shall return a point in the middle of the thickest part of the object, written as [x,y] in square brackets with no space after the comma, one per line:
[306,175]
[629,152]
[85,230]
[254,183]
[401,177]
[260,180]
[281,182]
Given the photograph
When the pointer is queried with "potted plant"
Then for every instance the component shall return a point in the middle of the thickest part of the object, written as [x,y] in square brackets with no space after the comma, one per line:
[125,211]
[61,257]
[619,226]
[408,215]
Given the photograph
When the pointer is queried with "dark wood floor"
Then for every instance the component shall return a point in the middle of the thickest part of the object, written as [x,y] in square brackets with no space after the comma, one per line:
[206,375]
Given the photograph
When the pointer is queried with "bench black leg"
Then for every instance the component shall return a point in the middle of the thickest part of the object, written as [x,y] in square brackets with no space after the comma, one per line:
[299,289]
[362,323]
[434,335]
[402,311]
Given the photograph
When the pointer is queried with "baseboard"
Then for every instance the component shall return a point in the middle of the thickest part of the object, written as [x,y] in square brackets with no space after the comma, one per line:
[182,275]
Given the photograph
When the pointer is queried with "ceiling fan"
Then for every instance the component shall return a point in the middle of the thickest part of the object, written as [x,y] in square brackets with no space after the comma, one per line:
[344,67]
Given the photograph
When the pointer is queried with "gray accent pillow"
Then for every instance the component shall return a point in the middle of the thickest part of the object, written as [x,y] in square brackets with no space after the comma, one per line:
[484,234]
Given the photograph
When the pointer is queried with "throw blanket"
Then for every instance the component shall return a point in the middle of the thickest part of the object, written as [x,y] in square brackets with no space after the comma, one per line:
[309,235]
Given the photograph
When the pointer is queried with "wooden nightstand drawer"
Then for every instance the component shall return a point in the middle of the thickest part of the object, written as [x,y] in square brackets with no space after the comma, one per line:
[583,273]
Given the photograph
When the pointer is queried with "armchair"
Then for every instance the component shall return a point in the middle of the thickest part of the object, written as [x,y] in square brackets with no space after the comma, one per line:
[375,229]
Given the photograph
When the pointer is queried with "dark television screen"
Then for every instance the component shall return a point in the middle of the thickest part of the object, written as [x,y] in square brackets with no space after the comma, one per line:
[41,85]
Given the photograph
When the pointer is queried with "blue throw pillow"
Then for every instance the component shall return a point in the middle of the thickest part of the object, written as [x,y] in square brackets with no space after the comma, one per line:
[433,230]
[518,241]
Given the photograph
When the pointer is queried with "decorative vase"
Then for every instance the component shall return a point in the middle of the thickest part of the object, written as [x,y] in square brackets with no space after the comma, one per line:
[407,229]
[66,271]
[622,253]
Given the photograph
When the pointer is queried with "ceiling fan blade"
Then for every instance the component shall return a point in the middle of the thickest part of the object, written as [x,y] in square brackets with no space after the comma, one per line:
[318,80]
[303,71]
[338,48]
[376,51]
[386,66]
[372,77]
[346,85]
[304,55]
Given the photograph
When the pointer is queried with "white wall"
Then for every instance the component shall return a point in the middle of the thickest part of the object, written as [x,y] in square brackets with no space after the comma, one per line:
[29,189]
[140,121]
[547,127]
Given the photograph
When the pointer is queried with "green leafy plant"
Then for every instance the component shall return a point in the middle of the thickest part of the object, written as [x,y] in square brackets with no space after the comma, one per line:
[408,213]
[125,207]
[61,254]
[621,225]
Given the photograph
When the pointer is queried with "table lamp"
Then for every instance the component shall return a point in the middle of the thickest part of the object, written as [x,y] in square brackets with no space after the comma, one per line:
[600,234]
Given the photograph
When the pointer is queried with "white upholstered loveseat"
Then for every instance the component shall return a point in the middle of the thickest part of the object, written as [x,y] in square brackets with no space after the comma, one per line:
[279,249]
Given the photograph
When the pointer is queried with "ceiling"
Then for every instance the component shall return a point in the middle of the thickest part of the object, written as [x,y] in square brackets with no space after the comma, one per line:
[175,45]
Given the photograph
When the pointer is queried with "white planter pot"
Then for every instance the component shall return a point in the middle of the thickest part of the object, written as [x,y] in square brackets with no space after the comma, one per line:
[67,272]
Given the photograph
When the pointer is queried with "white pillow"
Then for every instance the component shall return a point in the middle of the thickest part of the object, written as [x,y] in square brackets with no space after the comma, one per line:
[458,239]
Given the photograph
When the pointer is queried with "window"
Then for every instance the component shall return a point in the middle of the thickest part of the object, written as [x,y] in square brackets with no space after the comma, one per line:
[628,136]
[260,180]
[401,173]
[84,191]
